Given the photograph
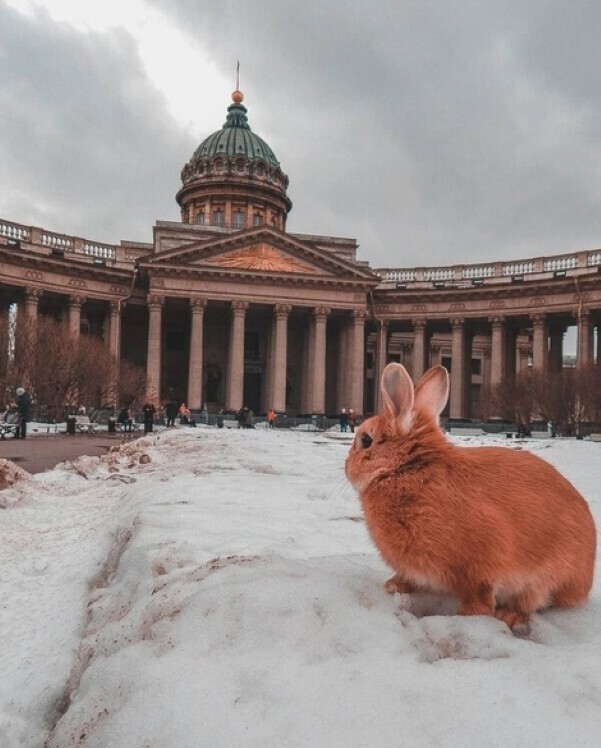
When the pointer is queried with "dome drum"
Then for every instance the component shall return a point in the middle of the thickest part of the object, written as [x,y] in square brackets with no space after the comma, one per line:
[234,171]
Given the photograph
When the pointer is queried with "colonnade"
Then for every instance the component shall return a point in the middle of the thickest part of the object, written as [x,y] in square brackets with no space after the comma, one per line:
[342,370]
[350,359]
[502,356]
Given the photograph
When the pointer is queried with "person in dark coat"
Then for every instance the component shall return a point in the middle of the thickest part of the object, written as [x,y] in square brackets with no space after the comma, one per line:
[171,409]
[23,405]
[125,419]
[148,410]
[343,421]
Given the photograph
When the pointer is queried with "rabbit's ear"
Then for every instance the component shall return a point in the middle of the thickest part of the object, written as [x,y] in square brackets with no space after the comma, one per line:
[397,393]
[432,390]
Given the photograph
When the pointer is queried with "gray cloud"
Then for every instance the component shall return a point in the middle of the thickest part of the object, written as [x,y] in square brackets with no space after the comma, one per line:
[85,143]
[432,132]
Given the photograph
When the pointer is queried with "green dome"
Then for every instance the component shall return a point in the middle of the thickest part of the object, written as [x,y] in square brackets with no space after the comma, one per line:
[236,139]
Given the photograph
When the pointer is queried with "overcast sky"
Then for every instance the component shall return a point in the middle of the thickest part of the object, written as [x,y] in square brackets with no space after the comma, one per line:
[433,132]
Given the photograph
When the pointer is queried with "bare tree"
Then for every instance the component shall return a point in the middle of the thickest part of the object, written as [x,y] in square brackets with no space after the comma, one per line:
[61,369]
[513,400]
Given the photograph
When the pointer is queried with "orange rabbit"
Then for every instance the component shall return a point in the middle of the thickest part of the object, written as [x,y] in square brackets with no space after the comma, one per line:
[499,528]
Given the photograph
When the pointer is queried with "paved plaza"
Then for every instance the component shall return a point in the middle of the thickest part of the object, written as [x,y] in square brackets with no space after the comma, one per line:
[41,452]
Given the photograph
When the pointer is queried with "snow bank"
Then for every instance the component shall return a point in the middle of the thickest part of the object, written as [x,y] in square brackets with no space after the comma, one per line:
[218,588]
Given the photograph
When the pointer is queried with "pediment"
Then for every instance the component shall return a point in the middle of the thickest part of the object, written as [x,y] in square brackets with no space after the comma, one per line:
[261,256]
[263,251]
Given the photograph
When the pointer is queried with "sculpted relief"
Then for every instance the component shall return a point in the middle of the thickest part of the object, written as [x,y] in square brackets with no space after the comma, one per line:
[261,257]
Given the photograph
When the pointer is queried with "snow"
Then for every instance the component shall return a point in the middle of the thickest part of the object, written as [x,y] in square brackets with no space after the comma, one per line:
[216,587]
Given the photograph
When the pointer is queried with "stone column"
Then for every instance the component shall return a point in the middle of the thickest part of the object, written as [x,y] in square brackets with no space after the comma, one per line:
[235,363]
[459,374]
[4,337]
[498,360]
[585,338]
[75,304]
[420,349]
[155,340]
[556,334]
[197,309]
[435,355]
[279,355]
[381,361]
[31,297]
[115,331]
[320,318]
[358,360]
[486,370]
[341,372]
[540,353]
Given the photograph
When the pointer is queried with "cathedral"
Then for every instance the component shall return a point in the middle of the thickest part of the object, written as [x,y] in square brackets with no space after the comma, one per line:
[226,308]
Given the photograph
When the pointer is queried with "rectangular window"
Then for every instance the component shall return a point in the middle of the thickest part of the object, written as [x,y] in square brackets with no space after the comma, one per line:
[446,362]
[238,219]
[257,219]
[218,218]
[200,218]
[477,366]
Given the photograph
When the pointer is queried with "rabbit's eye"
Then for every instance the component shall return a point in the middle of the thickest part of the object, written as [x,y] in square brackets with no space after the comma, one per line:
[366,441]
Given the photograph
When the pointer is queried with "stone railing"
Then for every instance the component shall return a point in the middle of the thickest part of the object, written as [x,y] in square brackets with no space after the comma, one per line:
[58,241]
[493,272]
[99,250]
[13,231]
[32,238]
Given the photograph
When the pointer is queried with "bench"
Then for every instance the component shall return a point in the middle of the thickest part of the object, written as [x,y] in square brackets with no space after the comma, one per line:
[459,431]
[122,428]
[84,425]
[6,429]
[540,434]
[595,437]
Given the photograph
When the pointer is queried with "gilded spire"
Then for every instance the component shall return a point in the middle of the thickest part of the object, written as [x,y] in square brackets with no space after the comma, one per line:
[238,96]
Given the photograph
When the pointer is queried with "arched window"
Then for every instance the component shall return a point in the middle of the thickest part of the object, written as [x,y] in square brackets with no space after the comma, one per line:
[218,217]
[238,219]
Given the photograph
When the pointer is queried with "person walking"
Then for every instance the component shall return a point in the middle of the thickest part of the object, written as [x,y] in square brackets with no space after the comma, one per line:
[271,416]
[23,406]
[148,410]
[352,420]
[343,421]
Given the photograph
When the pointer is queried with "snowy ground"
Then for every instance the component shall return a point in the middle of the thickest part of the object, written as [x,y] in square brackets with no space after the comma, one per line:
[209,588]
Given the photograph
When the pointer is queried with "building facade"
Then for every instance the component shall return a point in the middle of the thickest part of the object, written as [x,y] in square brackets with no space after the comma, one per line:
[226,308]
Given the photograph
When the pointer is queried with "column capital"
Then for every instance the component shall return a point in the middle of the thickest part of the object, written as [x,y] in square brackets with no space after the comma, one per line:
[419,323]
[282,310]
[155,302]
[538,319]
[321,313]
[497,321]
[198,305]
[457,322]
[115,308]
[582,313]
[76,302]
[239,308]
[359,314]
[33,294]
[384,324]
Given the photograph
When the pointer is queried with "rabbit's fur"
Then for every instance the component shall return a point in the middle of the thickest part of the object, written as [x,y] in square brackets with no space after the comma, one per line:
[499,528]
